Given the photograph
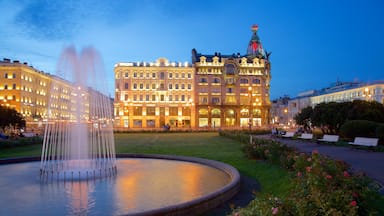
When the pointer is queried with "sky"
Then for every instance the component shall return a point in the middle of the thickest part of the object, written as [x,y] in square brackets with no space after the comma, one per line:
[313,43]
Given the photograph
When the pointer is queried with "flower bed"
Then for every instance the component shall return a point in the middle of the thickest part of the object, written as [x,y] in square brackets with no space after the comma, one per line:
[322,186]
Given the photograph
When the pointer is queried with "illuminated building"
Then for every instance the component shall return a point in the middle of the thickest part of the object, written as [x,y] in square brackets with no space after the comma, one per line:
[29,91]
[233,90]
[337,92]
[151,95]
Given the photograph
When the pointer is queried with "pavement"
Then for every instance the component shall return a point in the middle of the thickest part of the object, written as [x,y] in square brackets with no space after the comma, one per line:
[369,162]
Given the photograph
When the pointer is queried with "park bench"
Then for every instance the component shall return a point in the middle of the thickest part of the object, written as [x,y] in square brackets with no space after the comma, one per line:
[288,134]
[329,138]
[306,136]
[365,141]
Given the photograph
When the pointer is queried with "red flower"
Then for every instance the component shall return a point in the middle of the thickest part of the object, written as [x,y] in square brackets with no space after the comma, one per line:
[299,174]
[353,203]
[308,169]
[315,152]
[328,176]
[346,174]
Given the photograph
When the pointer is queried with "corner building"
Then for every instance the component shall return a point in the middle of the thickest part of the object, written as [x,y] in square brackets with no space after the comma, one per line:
[151,95]
[233,90]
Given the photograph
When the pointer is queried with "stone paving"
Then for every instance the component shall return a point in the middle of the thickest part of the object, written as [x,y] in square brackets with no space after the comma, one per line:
[369,162]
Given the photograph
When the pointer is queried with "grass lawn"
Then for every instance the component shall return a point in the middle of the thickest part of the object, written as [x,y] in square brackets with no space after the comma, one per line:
[210,145]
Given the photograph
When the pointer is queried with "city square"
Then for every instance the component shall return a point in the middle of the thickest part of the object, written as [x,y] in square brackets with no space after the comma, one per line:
[96,116]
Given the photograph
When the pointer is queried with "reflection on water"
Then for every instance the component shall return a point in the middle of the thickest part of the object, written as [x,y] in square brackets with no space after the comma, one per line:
[141,184]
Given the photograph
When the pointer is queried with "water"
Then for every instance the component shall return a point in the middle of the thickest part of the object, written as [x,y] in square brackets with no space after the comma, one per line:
[78,139]
[140,185]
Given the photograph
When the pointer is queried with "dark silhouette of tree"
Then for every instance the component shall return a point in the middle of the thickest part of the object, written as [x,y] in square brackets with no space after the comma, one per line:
[10,118]
[304,118]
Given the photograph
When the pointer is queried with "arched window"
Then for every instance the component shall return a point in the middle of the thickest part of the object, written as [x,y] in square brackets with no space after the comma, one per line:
[256,81]
[216,113]
[203,112]
[230,69]
[243,81]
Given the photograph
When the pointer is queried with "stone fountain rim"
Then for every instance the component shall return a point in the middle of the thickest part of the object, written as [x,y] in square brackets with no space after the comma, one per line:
[192,207]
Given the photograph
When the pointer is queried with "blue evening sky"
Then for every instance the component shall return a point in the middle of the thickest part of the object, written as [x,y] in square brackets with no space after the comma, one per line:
[313,43]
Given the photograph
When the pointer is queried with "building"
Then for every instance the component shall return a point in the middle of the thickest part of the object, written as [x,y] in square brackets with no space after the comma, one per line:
[233,90]
[152,95]
[337,92]
[279,111]
[30,91]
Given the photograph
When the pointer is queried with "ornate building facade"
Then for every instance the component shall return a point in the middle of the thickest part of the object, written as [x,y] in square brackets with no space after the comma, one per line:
[153,95]
[233,90]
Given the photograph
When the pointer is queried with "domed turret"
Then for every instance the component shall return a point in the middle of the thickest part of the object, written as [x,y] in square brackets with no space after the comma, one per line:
[255,48]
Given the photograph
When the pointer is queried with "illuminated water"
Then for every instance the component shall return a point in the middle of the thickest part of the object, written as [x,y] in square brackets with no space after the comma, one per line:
[140,185]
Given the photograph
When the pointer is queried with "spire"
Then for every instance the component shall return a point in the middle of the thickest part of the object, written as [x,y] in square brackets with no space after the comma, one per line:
[255,48]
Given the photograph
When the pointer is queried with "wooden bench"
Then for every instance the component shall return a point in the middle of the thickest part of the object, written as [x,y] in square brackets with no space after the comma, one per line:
[329,138]
[288,135]
[365,141]
[306,136]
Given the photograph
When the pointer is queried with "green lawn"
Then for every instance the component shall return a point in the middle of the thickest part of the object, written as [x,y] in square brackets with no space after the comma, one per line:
[208,145]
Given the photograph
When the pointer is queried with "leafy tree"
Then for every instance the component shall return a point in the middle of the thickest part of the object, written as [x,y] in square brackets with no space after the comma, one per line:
[304,118]
[10,118]
[329,117]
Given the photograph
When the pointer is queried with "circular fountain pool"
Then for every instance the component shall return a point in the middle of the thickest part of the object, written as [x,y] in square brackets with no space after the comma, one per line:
[144,184]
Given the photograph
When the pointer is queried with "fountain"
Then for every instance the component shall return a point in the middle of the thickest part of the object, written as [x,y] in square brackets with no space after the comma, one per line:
[78,139]
[79,172]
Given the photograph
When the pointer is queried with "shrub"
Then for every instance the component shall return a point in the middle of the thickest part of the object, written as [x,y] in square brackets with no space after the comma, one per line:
[356,128]
[321,186]
[380,133]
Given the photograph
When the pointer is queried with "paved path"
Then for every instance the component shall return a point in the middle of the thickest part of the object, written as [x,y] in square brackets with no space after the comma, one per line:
[371,163]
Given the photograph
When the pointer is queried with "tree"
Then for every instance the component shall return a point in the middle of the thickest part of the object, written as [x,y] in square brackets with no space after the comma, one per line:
[304,118]
[329,117]
[10,118]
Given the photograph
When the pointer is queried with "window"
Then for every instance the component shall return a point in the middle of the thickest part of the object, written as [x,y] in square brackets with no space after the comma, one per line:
[161,97]
[189,76]
[216,80]
[134,86]
[182,97]
[230,69]
[177,75]
[147,75]
[151,111]
[176,86]
[135,74]
[153,75]
[141,75]
[134,97]
[5,86]
[243,81]
[147,86]
[170,86]
[14,75]
[229,90]
[183,75]
[162,75]
[147,97]
[173,111]
[153,97]
[141,85]
[14,86]
[176,97]
[141,97]
[170,97]
[126,74]
[256,81]
[6,75]
[162,86]
[182,86]
[138,111]
[170,75]
[189,86]
[203,80]
[216,100]
[153,86]
[125,97]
